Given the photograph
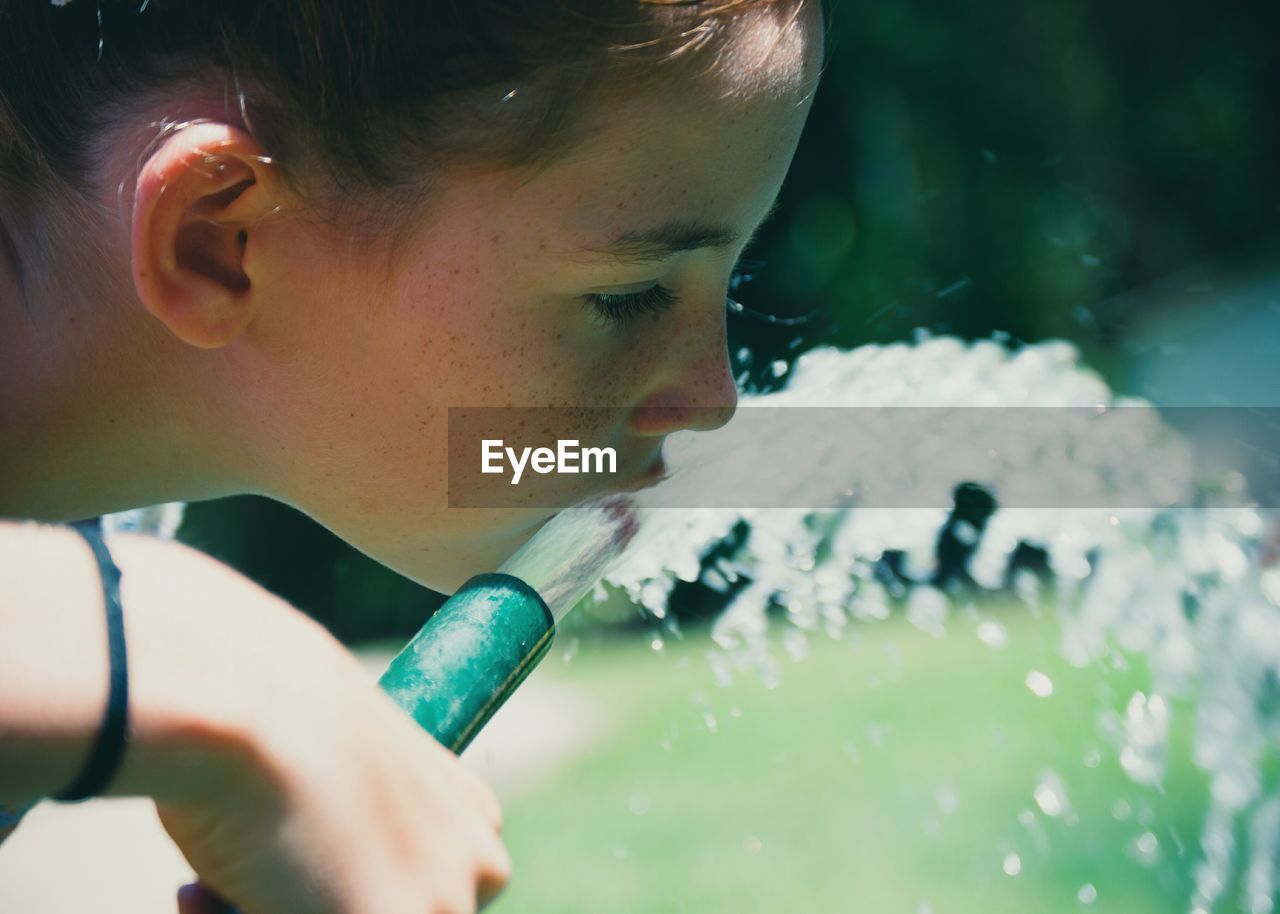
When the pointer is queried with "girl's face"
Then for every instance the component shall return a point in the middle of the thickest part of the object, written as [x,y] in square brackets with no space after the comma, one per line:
[599,282]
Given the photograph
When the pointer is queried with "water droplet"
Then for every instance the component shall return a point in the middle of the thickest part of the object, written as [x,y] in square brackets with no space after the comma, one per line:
[753,845]
[1039,684]
[619,852]
[1088,894]
[1270,585]
[1146,848]
[993,635]
[927,609]
[1012,865]
[721,669]
[965,532]
[795,644]
[1051,795]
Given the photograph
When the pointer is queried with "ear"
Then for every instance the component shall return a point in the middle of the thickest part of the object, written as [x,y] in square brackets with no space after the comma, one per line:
[200,197]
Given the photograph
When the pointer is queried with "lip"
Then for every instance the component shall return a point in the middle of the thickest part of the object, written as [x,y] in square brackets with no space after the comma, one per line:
[652,475]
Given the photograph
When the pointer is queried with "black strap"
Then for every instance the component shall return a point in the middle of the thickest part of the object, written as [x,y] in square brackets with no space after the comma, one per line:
[108,748]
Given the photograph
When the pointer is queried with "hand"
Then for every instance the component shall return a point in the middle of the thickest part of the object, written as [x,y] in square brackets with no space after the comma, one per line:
[289,781]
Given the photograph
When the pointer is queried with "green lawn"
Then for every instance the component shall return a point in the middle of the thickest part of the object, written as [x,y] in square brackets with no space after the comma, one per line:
[889,773]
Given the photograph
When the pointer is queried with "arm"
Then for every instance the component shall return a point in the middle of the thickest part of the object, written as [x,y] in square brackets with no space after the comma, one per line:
[288,780]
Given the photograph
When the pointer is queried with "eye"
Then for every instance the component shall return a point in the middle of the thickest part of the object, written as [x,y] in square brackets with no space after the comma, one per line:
[620,310]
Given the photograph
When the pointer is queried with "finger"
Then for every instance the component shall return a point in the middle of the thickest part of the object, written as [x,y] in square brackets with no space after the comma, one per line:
[493,878]
[196,899]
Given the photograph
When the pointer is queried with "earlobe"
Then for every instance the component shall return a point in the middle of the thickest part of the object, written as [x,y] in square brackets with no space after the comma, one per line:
[200,196]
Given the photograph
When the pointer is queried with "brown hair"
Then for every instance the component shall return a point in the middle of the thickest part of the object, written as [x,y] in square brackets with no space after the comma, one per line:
[359,97]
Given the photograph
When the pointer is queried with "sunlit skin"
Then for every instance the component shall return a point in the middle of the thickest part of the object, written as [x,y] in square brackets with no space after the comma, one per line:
[235,344]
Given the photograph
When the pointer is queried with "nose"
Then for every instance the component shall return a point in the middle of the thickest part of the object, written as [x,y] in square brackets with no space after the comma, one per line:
[695,392]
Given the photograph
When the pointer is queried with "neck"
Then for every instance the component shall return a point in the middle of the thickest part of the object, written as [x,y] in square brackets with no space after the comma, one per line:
[100,409]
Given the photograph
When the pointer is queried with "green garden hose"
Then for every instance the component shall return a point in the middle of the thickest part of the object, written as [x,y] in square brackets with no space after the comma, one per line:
[470,656]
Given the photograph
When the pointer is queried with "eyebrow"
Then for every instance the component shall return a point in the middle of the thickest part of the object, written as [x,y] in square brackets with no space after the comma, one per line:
[666,240]
[673,237]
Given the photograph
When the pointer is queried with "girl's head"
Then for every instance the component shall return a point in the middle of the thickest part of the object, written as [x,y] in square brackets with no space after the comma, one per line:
[320,224]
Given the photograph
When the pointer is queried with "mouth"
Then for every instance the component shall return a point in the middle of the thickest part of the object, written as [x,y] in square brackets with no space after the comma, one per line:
[653,474]
[649,475]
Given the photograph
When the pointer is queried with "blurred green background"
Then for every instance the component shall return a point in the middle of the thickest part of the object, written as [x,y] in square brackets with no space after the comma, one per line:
[890,771]
[1103,173]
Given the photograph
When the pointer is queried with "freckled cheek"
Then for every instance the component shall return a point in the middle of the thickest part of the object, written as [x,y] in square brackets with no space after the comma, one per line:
[476,341]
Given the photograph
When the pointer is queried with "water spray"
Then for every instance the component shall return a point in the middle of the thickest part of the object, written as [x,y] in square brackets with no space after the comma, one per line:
[1184,575]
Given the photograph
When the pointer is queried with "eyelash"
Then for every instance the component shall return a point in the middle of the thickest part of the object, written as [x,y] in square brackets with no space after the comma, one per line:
[620,310]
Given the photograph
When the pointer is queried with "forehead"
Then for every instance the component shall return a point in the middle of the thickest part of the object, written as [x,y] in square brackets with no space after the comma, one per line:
[705,143]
